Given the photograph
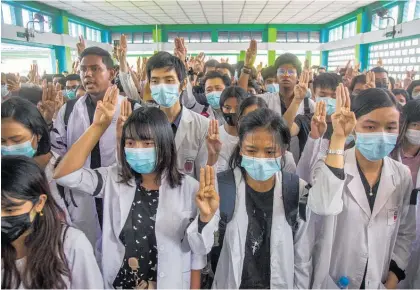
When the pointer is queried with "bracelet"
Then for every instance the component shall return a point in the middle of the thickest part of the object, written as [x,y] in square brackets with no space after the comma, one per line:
[336,152]
[246,71]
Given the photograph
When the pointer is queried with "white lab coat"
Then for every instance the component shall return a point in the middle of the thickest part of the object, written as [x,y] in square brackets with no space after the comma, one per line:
[353,234]
[61,202]
[190,142]
[84,270]
[315,149]
[84,216]
[291,258]
[180,246]
[412,280]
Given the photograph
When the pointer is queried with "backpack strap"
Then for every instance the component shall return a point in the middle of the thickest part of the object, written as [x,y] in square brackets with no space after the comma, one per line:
[227,193]
[306,108]
[69,108]
[291,200]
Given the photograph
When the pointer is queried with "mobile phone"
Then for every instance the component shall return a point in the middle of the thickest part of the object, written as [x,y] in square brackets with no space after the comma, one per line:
[116,42]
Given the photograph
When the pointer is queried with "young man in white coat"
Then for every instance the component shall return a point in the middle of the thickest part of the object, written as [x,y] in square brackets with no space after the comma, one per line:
[370,222]
[167,77]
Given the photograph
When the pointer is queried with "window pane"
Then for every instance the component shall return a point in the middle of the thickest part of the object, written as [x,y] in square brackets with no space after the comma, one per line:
[234,36]
[148,37]
[314,36]
[292,37]
[303,36]
[6,12]
[184,35]
[246,36]
[138,37]
[129,37]
[195,37]
[25,16]
[223,36]
[116,36]
[257,35]
[172,36]
[206,37]
[281,36]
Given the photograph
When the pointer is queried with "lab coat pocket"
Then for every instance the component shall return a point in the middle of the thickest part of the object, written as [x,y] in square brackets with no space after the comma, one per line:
[186,218]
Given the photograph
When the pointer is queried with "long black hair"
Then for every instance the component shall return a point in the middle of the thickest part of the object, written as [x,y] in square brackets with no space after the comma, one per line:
[261,118]
[250,101]
[27,114]
[410,114]
[148,123]
[46,263]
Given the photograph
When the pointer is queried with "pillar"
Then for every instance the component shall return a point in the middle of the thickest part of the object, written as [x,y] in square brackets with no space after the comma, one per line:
[309,57]
[105,36]
[324,54]
[60,25]
[272,38]
[242,55]
[214,36]
[362,50]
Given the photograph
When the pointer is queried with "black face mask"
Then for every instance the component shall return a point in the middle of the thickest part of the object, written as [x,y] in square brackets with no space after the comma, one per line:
[230,118]
[12,227]
[381,85]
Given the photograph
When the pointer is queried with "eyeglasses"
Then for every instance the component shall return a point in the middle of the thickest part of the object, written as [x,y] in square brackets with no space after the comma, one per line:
[289,72]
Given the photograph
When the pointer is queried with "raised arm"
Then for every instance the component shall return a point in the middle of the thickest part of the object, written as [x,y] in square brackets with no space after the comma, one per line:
[79,152]
[251,55]
[300,91]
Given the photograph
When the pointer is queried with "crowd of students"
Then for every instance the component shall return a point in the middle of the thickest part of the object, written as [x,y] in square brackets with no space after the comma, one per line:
[186,173]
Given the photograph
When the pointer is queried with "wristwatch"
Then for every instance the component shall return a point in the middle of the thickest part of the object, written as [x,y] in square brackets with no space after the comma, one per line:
[336,152]
[246,70]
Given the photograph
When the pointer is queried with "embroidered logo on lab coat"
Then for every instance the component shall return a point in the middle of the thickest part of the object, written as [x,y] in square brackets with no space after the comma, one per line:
[392,216]
[188,165]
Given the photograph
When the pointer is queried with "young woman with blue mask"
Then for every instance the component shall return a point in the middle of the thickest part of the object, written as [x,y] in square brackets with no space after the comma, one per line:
[38,249]
[265,245]
[370,221]
[407,152]
[24,132]
[158,223]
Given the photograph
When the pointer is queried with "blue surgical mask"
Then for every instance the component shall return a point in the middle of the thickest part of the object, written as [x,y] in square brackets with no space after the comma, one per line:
[375,146]
[24,149]
[261,169]
[141,160]
[71,94]
[166,95]
[330,104]
[273,88]
[213,99]
[4,91]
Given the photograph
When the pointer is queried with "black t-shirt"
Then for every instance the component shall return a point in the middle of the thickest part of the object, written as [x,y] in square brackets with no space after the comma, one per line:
[256,273]
[304,124]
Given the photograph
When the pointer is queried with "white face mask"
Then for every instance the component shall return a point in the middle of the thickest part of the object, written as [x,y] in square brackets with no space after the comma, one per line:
[416,95]
[413,136]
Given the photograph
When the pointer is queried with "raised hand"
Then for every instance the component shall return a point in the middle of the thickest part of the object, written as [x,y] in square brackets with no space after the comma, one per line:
[81,45]
[302,87]
[34,74]
[260,67]
[343,120]
[180,50]
[144,69]
[318,122]
[199,63]
[408,78]
[370,80]
[47,104]
[75,66]
[125,112]
[251,54]
[207,199]
[13,85]
[105,110]
[214,145]
[59,100]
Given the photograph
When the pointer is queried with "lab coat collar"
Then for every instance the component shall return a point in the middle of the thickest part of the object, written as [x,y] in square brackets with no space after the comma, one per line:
[386,184]
[186,118]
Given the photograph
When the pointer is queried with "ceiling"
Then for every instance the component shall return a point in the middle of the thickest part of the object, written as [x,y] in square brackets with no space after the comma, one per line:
[138,12]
